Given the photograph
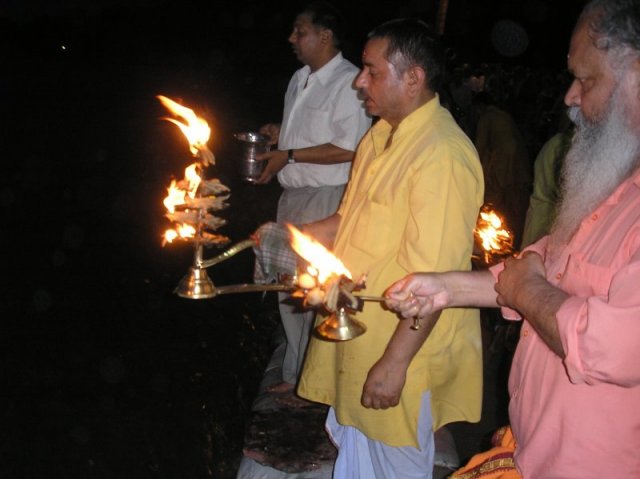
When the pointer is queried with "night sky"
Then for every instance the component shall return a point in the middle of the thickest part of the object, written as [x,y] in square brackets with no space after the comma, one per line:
[195,27]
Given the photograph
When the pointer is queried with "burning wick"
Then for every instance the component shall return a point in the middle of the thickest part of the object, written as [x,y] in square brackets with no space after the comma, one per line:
[306,281]
[314,297]
[327,281]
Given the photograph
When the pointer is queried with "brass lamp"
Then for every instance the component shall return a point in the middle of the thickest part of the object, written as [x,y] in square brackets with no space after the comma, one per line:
[340,326]
[196,284]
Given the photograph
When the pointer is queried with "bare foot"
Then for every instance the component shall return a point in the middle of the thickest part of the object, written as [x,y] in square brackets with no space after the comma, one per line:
[283,387]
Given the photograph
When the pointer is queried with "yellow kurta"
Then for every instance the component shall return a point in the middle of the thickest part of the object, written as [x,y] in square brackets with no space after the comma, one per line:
[409,208]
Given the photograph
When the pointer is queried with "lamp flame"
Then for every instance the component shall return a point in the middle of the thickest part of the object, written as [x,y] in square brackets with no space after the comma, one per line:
[181,231]
[320,258]
[177,195]
[193,179]
[169,236]
[495,238]
[174,198]
[195,129]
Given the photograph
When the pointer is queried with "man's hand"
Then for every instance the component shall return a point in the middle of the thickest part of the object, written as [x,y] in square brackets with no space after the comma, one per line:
[519,276]
[384,385]
[418,295]
[271,131]
[523,286]
[276,160]
[423,294]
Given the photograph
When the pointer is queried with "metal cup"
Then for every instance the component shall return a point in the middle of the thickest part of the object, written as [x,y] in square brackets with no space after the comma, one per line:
[252,144]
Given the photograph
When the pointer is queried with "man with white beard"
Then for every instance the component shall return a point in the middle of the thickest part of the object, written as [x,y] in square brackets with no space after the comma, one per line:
[575,379]
[603,153]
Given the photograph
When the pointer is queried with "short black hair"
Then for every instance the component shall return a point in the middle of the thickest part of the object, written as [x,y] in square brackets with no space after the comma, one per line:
[413,42]
[326,15]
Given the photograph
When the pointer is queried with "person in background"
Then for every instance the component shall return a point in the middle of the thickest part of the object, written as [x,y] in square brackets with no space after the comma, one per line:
[546,187]
[505,162]
[322,123]
[412,202]
[575,380]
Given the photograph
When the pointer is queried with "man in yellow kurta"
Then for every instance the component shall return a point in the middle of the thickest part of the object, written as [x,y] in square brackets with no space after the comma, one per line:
[411,205]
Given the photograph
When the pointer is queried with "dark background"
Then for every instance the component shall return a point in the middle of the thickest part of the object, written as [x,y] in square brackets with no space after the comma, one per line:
[104,371]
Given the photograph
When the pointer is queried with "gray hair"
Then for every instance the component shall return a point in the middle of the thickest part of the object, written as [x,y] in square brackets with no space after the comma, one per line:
[615,25]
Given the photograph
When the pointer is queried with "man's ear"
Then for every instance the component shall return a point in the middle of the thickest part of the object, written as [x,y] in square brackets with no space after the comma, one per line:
[416,78]
[327,36]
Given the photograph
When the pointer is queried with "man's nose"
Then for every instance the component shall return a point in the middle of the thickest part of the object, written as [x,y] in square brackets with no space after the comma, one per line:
[572,98]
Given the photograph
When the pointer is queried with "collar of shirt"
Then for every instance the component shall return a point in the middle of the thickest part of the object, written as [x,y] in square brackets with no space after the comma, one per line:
[381,131]
[321,75]
[633,179]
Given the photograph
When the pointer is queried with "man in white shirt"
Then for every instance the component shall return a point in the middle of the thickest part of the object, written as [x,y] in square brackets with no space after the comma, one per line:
[322,124]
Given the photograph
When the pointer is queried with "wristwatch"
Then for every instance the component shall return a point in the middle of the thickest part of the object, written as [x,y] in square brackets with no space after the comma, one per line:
[290,158]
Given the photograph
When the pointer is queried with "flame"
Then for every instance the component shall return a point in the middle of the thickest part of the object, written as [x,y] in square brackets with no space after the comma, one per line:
[177,195]
[195,129]
[495,238]
[193,179]
[169,236]
[181,231]
[174,198]
[186,231]
[320,258]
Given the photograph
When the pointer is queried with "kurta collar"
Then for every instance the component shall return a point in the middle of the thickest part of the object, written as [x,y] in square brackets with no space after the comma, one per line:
[634,179]
[324,74]
[382,129]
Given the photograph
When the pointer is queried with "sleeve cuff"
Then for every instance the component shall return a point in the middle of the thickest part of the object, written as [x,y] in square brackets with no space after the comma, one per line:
[567,329]
[507,313]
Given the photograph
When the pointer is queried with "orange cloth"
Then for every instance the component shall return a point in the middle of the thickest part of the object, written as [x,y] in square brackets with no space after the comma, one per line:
[496,463]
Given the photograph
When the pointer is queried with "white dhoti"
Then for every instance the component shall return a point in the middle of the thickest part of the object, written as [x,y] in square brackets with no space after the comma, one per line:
[362,458]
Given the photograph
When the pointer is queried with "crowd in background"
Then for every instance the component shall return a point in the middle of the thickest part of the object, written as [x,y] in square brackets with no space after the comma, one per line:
[533,96]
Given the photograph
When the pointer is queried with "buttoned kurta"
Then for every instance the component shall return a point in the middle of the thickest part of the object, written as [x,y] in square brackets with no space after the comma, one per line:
[579,416]
[409,207]
[321,107]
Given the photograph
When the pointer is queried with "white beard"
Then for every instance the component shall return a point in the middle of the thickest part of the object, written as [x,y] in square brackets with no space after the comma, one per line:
[603,153]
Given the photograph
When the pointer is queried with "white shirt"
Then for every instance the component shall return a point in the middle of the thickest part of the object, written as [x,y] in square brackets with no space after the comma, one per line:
[326,111]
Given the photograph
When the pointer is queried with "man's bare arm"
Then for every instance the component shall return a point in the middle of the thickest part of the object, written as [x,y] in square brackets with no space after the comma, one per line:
[422,294]
[387,377]
[326,154]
